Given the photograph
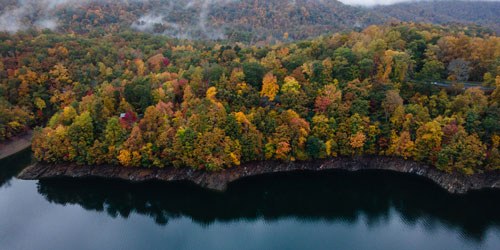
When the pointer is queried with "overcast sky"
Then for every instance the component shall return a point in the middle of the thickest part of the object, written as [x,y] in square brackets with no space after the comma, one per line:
[382,2]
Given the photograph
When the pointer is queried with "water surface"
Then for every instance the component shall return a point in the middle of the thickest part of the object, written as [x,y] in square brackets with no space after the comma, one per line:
[302,210]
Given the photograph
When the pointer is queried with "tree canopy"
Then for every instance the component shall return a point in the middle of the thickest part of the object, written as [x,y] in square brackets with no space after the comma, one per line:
[114,99]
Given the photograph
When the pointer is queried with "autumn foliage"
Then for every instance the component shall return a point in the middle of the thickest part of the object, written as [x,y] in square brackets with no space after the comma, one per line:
[117,99]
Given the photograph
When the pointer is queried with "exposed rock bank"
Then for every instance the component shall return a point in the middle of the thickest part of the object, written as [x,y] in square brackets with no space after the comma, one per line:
[454,183]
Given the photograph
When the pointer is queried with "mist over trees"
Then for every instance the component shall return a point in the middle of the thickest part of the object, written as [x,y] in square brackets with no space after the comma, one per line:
[249,21]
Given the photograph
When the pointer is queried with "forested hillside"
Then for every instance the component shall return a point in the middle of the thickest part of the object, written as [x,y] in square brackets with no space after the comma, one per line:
[248,21]
[238,20]
[482,13]
[142,100]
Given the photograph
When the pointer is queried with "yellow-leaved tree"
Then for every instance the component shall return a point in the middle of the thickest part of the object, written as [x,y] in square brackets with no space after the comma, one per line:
[269,87]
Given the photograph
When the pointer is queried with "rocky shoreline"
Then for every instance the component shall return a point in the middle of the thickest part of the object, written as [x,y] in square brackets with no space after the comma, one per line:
[453,183]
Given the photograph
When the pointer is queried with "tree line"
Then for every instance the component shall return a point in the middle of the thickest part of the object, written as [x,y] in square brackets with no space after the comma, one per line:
[140,100]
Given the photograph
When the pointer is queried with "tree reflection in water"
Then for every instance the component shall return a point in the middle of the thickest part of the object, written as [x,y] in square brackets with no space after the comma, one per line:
[331,196]
[12,165]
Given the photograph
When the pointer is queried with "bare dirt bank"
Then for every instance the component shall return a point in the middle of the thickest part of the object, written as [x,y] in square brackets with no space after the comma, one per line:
[15,144]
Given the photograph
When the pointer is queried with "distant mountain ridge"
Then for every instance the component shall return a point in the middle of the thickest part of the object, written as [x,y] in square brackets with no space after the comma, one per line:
[483,13]
[237,20]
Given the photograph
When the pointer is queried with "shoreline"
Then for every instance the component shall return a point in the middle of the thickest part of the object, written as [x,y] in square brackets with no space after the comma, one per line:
[15,144]
[452,182]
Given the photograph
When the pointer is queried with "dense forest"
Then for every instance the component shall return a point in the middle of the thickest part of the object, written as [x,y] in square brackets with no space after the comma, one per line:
[249,21]
[240,20]
[136,99]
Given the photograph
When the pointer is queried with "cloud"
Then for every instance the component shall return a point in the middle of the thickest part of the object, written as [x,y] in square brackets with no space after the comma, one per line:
[41,11]
[15,19]
[198,26]
[47,23]
[12,20]
[160,20]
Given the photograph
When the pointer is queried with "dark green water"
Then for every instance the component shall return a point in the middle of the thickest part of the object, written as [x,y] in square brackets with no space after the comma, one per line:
[329,210]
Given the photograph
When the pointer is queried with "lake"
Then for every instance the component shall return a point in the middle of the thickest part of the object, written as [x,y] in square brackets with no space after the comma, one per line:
[302,210]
